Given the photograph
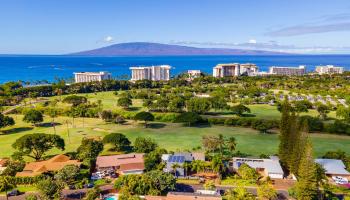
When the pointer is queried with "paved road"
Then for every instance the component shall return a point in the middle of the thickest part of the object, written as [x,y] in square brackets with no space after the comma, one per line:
[12,108]
[79,194]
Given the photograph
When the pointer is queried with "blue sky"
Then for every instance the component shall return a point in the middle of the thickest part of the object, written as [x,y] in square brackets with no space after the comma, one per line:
[64,26]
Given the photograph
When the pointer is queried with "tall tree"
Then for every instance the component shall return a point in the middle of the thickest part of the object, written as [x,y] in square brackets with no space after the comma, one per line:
[50,189]
[118,140]
[52,112]
[37,144]
[6,121]
[298,146]
[75,100]
[285,129]
[306,186]
[33,116]
[124,102]
[144,116]
[144,145]
[266,192]
[6,183]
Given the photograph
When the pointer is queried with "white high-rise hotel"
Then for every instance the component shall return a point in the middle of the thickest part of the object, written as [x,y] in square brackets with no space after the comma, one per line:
[81,77]
[329,69]
[154,73]
[234,69]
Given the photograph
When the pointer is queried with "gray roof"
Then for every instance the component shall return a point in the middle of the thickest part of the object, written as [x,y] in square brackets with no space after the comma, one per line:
[272,166]
[333,166]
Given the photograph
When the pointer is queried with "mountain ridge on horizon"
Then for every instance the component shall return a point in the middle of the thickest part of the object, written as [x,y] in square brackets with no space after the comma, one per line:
[158,49]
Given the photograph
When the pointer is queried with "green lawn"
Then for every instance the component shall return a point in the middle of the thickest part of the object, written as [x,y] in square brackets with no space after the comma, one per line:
[168,135]
[108,99]
[22,188]
[270,112]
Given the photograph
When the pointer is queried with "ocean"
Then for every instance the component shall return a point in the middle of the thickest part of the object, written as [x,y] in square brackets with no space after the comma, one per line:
[34,68]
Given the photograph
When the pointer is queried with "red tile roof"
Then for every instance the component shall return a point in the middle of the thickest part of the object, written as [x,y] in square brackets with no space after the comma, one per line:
[119,160]
[54,164]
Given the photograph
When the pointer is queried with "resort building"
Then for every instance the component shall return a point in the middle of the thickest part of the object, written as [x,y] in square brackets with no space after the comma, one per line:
[123,164]
[329,69]
[234,69]
[266,167]
[154,73]
[192,74]
[82,77]
[288,71]
[248,69]
[334,167]
[54,164]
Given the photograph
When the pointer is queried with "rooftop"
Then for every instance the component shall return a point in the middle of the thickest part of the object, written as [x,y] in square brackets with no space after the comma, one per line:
[54,164]
[270,165]
[92,73]
[333,166]
[118,160]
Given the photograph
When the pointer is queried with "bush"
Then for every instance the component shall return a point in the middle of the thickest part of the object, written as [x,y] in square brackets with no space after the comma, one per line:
[314,123]
[338,127]
[247,173]
[216,121]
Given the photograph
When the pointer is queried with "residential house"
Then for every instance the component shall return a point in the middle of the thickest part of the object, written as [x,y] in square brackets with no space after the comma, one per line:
[3,163]
[334,167]
[179,159]
[185,196]
[53,164]
[266,167]
[132,163]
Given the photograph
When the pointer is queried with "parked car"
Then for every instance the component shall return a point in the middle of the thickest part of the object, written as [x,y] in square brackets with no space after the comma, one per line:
[14,193]
[89,185]
[340,180]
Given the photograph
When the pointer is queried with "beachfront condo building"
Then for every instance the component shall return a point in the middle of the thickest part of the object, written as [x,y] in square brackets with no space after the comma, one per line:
[81,77]
[154,73]
[329,69]
[288,71]
[192,74]
[234,69]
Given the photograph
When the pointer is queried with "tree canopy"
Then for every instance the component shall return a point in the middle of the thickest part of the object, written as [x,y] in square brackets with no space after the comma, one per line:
[118,140]
[240,109]
[150,183]
[6,121]
[144,145]
[144,116]
[75,100]
[37,144]
[188,118]
[33,116]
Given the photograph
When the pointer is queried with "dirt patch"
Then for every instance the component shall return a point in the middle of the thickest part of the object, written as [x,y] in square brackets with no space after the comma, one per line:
[102,130]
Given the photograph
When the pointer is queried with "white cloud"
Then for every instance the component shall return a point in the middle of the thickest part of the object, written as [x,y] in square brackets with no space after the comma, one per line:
[252,41]
[108,39]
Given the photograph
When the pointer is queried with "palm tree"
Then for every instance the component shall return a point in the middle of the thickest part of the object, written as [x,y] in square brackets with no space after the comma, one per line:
[231,144]
[6,184]
[197,166]
[186,167]
[174,167]
[53,113]
[221,143]
[59,92]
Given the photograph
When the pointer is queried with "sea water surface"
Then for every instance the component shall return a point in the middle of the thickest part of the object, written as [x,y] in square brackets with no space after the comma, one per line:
[34,68]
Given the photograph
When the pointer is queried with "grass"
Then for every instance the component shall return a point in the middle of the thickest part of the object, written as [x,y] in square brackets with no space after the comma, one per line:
[171,136]
[22,188]
[236,181]
[264,111]
[109,100]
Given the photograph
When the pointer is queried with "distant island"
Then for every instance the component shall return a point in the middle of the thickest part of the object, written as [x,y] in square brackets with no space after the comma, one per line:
[157,49]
